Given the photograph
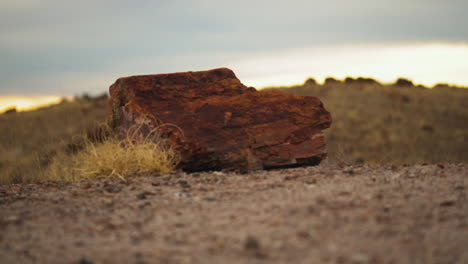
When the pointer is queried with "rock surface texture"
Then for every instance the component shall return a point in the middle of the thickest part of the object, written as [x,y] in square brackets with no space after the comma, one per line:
[217,123]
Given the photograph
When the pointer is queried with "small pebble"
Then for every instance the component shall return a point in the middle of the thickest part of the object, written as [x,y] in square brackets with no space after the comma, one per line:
[182,194]
[303,234]
[290,178]
[195,175]
[143,195]
[447,203]
[113,189]
[251,243]
[155,183]
[311,182]
[86,261]
[184,184]
[360,259]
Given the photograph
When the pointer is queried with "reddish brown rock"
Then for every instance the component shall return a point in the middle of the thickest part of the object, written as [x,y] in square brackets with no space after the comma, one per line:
[217,123]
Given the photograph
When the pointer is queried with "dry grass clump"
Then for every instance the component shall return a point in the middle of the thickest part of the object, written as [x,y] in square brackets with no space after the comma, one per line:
[30,140]
[115,157]
[66,142]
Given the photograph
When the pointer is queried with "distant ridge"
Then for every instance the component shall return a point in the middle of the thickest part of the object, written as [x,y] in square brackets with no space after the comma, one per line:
[400,82]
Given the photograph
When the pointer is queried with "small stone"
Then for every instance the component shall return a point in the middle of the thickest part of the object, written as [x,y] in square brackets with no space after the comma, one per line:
[243,171]
[311,181]
[195,175]
[112,189]
[182,194]
[184,184]
[155,183]
[360,259]
[11,218]
[447,203]
[86,261]
[290,177]
[143,195]
[303,234]
[86,186]
[79,243]
[146,204]
[251,244]
[210,199]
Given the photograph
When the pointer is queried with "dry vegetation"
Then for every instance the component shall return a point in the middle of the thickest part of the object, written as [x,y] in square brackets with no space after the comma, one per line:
[115,157]
[372,123]
[30,140]
[70,141]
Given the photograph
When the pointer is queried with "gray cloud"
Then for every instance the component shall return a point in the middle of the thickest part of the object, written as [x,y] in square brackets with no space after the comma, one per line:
[52,37]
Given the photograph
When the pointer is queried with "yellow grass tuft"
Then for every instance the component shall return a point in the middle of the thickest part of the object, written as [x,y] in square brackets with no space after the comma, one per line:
[115,157]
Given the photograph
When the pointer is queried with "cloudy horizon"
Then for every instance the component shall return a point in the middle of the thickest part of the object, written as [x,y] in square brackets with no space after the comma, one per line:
[64,48]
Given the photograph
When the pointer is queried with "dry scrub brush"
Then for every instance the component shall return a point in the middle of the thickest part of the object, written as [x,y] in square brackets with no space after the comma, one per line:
[116,157]
[30,140]
[51,144]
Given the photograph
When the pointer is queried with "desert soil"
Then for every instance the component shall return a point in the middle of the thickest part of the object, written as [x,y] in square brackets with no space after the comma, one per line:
[324,214]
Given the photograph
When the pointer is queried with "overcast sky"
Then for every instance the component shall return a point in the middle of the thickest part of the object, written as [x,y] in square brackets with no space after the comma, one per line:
[62,47]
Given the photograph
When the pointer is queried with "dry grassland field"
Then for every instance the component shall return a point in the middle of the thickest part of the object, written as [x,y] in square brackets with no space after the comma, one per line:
[393,190]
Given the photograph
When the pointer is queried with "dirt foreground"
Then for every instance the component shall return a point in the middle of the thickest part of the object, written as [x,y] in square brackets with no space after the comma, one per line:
[415,214]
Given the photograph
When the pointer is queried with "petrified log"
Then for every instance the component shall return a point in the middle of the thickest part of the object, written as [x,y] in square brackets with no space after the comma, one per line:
[217,123]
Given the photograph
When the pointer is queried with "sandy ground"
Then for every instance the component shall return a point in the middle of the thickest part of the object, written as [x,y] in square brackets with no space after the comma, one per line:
[414,214]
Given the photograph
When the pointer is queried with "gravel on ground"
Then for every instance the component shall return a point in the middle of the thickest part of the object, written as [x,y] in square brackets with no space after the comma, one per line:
[324,214]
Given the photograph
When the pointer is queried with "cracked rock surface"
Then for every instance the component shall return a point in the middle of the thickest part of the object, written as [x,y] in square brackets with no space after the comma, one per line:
[217,123]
